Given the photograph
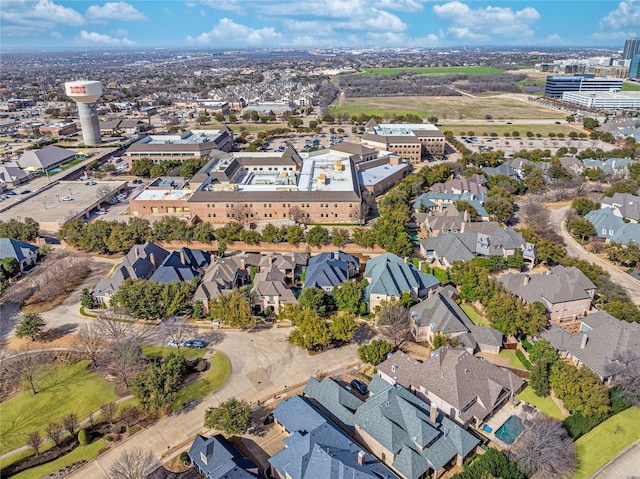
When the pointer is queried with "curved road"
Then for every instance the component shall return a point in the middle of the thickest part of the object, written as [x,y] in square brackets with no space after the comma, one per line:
[574,249]
[624,465]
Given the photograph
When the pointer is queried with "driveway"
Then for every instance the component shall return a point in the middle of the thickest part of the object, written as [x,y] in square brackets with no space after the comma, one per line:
[624,466]
[574,249]
[263,364]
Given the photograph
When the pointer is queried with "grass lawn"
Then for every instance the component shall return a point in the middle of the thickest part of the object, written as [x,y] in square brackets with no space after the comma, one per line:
[217,375]
[606,441]
[488,128]
[87,453]
[444,107]
[22,454]
[473,316]
[514,362]
[64,389]
[162,351]
[433,70]
[630,86]
[546,404]
[250,127]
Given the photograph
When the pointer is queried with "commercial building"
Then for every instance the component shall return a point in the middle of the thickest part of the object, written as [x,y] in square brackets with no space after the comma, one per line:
[410,141]
[634,69]
[622,100]
[557,85]
[631,48]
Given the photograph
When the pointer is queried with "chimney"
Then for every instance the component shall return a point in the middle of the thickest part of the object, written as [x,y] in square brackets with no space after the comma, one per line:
[361,458]
[465,216]
[527,278]
[584,340]
[433,414]
[406,259]
[152,258]
[270,258]
[182,256]
[242,263]
[336,255]
[137,251]
[462,226]
[421,265]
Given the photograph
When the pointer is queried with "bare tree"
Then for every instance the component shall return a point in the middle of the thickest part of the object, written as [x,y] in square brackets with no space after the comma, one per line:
[29,365]
[175,330]
[70,422]
[90,341]
[129,415]
[54,432]
[109,411]
[134,463]
[240,212]
[395,321]
[624,371]
[546,450]
[297,214]
[33,440]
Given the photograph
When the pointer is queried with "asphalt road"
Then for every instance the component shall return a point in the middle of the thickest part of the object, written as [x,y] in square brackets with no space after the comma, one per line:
[624,466]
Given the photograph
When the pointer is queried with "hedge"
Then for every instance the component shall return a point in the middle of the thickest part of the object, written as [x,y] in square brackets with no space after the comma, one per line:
[525,362]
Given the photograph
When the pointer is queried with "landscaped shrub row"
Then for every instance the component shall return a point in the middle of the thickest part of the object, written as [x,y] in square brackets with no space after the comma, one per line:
[578,425]
[525,362]
[526,344]
[65,447]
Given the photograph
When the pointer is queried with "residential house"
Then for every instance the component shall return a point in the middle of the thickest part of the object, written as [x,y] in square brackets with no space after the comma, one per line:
[327,270]
[440,314]
[616,167]
[12,175]
[388,276]
[565,292]
[503,169]
[520,166]
[183,265]
[457,186]
[217,458]
[599,338]
[316,448]
[270,289]
[432,200]
[629,232]
[605,222]
[466,388]
[400,429]
[25,254]
[45,159]
[623,205]
[444,221]
[291,264]
[572,165]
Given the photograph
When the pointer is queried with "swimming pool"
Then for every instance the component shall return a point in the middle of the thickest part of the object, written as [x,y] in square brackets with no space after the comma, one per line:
[510,430]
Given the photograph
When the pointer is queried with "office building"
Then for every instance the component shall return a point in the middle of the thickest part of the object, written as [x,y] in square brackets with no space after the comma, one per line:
[410,141]
[601,100]
[631,48]
[557,85]
[634,69]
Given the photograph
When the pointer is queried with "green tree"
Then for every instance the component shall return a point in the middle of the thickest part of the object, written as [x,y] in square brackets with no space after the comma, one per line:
[539,380]
[10,266]
[272,233]
[141,167]
[295,234]
[203,232]
[462,206]
[318,235]
[501,208]
[170,228]
[343,326]
[157,386]
[624,310]
[543,353]
[375,352]
[582,228]
[348,297]
[231,417]
[86,299]
[232,309]
[31,326]
[311,331]
[440,340]
[584,205]
[579,389]
[339,236]
[316,299]
[392,236]
[364,237]
[492,464]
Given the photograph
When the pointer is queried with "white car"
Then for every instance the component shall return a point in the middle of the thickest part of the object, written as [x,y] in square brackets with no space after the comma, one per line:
[67,198]
[101,212]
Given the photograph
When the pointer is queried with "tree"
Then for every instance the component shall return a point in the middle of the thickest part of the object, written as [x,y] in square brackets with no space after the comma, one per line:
[129,415]
[374,352]
[395,320]
[33,440]
[543,353]
[624,370]
[545,449]
[231,417]
[203,232]
[157,386]
[176,330]
[232,309]
[31,326]
[364,237]
[343,326]
[10,266]
[297,214]
[109,411]
[70,422]
[142,167]
[295,234]
[492,464]
[463,206]
[83,437]
[318,235]
[583,205]
[339,236]
[441,340]
[240,212]
[311,331]
[539,381]
[134,463]
[501,208]
[348,297]
[90,342]
[582,228]
[28,365]
[54,432]
[272,233]
[579,389]
[317,300]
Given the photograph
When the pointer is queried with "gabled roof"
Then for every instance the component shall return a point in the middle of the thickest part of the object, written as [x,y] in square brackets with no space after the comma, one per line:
[222,459]
[327,270]
[183,265]
[605,335]
[604,220]
[329,391]
[389,275]
[628,205]
[11,248]
[12,174]
[46,157]
[270,282]
[629,232]
[503,169]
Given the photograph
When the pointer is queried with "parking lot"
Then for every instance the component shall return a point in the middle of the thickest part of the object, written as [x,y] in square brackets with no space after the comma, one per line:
[510,146]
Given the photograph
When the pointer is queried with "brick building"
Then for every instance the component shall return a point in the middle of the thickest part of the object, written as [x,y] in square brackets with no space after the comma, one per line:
[410,141]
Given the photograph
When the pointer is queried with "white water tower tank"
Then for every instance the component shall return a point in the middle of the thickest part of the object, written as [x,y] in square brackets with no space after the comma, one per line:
[85,94]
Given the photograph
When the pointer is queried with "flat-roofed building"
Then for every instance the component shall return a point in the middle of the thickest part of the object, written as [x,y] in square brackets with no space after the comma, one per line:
[555,86]
[622,100]
[410,141]
[59,129]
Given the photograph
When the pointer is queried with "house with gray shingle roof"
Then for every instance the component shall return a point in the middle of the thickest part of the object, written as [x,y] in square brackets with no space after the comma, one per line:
[617,167]
[462,185]
[389,276]
[624,206]
[270,289]
[12,175]
[565,292]
[466,388]
[217,458]
[629,232]
[183,265]
[402,430]
[25,254]
[600,336]
[440,314]
[431,200]
[316,448]
[46,158]
[503,169]
[327,270]
[605,222]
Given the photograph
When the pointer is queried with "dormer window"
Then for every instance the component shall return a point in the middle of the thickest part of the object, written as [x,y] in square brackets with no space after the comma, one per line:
[203,457]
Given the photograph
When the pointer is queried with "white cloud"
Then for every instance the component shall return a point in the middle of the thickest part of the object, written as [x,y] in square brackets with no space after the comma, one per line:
[480,24]
[121,11]
[625,17]
[31,17]
[99,38]
[228,32]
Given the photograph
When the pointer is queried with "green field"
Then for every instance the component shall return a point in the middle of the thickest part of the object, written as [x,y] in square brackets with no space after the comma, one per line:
[473,316]
[606,441]
[163,352]
[488,128]
[446,107]
[631,86]
[514,362]
[433,70]
[545,404]
[64,389]
[219,371]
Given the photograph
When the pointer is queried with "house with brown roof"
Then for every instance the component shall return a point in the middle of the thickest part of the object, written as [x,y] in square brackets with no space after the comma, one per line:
[270,289]
[466,388]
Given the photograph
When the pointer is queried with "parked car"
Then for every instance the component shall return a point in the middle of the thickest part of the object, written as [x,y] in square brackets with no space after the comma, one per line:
[10,193]
[360,386]
[25,192]
[67,198]
[197,343]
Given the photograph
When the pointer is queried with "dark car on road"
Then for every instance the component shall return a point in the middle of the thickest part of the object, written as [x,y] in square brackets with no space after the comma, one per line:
[360,386]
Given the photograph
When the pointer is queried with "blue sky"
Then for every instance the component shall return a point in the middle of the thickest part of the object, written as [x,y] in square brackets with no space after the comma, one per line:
[310,23]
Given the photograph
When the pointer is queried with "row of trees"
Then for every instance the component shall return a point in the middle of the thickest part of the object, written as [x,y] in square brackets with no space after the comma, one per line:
[149,300]
[26,230]
[145,167]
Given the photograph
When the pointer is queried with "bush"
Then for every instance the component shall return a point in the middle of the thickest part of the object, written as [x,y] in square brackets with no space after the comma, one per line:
[83,437]
[526,344]
[375,352]
[525,362]
[184,457]
[201,365]
[578,425]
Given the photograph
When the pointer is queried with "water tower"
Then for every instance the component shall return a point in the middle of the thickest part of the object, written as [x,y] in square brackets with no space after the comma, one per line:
[85,94]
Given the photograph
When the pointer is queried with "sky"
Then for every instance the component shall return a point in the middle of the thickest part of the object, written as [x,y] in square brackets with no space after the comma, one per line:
[228,24]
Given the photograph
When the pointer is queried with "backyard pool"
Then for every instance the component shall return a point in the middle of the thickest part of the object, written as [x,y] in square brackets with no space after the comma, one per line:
[510,430]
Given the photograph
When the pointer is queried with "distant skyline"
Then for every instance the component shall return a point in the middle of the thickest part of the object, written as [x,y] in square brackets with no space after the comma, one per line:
[230,24]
